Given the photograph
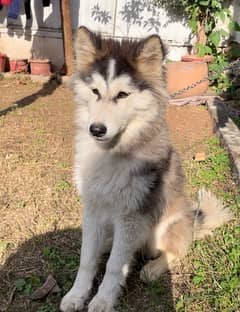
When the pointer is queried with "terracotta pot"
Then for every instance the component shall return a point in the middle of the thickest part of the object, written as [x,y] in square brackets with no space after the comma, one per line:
[3,60]
[183,74]
[195,58]
[40,67]
[18,66]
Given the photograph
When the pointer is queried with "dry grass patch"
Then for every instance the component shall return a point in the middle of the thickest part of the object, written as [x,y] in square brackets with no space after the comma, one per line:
[40,212]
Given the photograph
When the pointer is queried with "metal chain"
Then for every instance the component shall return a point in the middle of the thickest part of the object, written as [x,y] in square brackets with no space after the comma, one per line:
[198,82]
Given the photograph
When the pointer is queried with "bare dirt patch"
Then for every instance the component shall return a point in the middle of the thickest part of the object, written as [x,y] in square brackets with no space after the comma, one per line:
[40,212]
[190,126]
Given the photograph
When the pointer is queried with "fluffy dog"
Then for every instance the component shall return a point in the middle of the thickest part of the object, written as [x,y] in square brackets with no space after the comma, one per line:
[127,172]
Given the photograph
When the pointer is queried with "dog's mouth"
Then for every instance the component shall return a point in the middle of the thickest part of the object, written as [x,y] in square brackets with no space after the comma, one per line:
[108,143]
[102,139]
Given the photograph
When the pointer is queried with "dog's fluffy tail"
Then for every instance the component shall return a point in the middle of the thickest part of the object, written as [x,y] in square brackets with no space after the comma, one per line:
[210,213]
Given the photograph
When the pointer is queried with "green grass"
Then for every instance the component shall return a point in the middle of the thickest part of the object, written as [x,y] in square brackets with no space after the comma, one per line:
[54,260]
[212,266]
[215,260]
[212,172]
[63,185]
[63,266]
[27,285]
[64,165]
[47,307]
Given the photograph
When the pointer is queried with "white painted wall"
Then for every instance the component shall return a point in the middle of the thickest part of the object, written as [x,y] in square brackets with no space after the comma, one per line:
[135,19]
[41,36]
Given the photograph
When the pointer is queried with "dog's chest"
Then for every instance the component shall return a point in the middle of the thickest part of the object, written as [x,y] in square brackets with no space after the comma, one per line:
[111,183]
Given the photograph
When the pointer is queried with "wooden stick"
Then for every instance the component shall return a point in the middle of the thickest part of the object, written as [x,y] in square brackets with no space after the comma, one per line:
[67,35]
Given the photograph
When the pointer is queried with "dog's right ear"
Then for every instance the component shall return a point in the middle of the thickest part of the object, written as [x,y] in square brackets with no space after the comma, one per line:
[85,51]
[150,55]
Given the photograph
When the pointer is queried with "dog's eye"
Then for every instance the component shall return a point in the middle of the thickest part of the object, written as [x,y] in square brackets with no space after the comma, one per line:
[122,95]
[95,91]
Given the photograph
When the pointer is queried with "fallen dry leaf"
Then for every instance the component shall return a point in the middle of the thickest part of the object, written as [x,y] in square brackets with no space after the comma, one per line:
[49,286]
[199,156]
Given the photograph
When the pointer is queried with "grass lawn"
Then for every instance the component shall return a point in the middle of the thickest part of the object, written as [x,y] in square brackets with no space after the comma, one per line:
[40,216]
[215,261]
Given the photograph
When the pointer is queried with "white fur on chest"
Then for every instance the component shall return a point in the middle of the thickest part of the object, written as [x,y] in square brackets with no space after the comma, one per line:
[107,182]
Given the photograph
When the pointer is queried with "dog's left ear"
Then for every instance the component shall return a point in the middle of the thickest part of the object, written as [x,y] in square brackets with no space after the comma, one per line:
[149,55]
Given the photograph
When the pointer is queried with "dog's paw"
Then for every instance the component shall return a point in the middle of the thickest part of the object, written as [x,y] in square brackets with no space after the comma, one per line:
[72,302]
[155,268]
[150,272]
[99,305]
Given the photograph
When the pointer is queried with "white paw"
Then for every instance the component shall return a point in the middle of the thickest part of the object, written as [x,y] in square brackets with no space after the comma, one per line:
[72,301]
[99,305]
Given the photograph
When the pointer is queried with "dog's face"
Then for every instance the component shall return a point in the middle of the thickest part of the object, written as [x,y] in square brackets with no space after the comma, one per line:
[117,85]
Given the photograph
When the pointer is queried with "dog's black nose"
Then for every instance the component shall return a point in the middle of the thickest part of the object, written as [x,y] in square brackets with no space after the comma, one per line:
[98,130]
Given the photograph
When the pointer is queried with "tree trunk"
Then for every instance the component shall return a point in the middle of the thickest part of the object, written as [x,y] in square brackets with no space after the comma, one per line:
[201,35]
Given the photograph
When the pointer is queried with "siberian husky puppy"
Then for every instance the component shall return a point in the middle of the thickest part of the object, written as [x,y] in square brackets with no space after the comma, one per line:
[128,174]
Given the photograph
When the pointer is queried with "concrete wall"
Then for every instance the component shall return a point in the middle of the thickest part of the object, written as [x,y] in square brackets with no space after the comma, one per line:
[41,36]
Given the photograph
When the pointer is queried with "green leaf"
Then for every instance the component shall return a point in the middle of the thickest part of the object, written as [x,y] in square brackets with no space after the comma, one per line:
[46,251]
[20,284]
[28,289]
[208,50]
[200,49]
[180,304]
[236,26]
[197,279]
[3,245]
[215,4]
[193,25]
[197,264]
[215,38]
[223,33]
[221,16]
[231,26]
[34,281]
[47,307]
[203,49]
[235,51]
[204,3]
[227,11]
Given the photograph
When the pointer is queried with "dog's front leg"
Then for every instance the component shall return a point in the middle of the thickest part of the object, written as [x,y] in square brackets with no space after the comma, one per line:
[93,241]
[129,236]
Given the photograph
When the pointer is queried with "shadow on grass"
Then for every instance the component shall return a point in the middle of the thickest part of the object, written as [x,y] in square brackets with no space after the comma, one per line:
[47,89]
[57,253]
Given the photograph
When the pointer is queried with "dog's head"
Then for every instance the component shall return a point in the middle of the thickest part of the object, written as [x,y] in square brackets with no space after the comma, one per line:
[119,86]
